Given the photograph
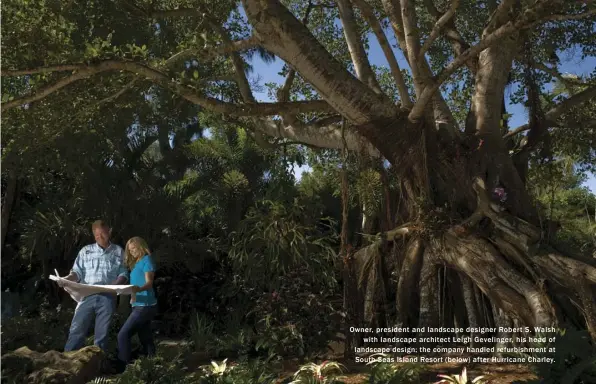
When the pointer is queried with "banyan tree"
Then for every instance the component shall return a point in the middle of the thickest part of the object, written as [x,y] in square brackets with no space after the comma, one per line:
[466,242]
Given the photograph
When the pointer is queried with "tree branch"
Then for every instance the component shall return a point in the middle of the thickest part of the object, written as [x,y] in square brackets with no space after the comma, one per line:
[576,16]
[289,121]
[393,11]
[180,12]
[439,25]
[524,233]
[441,109]
[500,16]
[283,94]
[281,33]
[362,66]
[391,8]
[122,91]
[237,61]
[369,16]
[516,131]
[412,37]
[22,72]
[188,93]
[227,77]
[558,75]
[317,136]
[456,64]
[107,99]
[326,121]
[527,20]
[458,44]
[210,54]
[42,93]
[241,79]
[554,113]
[573,101]
[559,264]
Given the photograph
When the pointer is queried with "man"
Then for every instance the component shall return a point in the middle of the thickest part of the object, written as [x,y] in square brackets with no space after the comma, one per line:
[96,264]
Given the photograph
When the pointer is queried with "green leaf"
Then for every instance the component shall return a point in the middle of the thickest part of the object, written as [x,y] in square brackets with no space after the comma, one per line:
[5,97]
[195,74]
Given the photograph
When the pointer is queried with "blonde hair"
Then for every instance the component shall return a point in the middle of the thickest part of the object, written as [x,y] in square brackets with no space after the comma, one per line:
[141,245]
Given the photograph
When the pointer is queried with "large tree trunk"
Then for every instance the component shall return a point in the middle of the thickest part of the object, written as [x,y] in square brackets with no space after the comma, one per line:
[429,315]
[496,253]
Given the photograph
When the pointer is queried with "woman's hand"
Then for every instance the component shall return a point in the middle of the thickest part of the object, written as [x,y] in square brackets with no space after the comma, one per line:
[133,298]
[136,289]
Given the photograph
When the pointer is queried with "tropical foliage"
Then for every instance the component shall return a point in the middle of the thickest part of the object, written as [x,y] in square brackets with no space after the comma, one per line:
[163,118]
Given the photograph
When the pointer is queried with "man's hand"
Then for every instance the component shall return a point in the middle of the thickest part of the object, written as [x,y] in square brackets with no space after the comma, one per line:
[121,280]
[135,289]
[71,277]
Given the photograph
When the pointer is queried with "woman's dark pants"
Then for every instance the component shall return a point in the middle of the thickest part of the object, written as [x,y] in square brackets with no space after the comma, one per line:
[138,322]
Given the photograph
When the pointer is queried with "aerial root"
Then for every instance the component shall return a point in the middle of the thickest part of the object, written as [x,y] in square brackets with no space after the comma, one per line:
[408,278]
[499,280]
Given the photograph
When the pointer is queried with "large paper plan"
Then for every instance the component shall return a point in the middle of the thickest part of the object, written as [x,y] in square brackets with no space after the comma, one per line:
[79,291]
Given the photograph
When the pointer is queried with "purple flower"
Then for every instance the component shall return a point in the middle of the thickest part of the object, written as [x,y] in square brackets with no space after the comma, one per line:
[500,194]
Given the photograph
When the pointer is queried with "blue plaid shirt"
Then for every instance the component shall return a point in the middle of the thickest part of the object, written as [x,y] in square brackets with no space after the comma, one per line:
[97,266]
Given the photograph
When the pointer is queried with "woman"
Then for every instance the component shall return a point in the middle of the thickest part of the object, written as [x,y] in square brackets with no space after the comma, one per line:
[143,301]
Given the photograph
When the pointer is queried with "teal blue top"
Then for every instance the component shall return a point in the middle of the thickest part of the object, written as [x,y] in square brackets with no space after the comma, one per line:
[137,277]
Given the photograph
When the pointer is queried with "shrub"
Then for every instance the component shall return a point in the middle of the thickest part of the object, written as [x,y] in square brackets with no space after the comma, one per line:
[236,341]
[574,360]
[182,293]
[155,370]
[201,332]
[43,331]
[231,373]
[296,319]
[389,373]
[460,379]
[328,372]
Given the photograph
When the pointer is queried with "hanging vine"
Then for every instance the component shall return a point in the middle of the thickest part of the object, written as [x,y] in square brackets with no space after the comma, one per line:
[350,291]
[344,193]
